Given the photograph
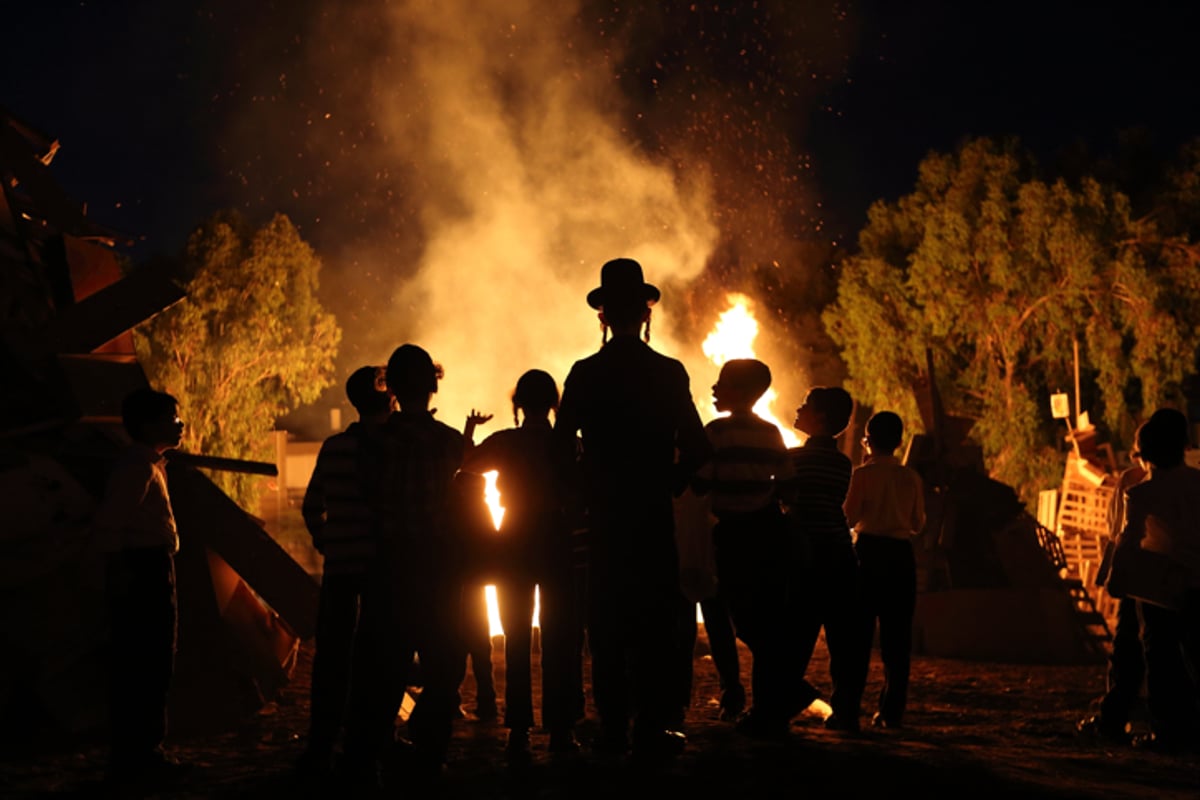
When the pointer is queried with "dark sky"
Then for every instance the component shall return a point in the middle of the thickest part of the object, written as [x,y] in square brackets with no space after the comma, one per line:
[140,93]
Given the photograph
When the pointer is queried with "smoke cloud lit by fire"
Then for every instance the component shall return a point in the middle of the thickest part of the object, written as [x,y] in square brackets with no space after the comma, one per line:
[529,186]
[465,168]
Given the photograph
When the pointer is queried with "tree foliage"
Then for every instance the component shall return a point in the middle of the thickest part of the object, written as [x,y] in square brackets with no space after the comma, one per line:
[999,272]
[250,343]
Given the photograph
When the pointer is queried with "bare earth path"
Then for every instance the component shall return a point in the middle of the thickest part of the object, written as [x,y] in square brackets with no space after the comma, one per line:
[975,730]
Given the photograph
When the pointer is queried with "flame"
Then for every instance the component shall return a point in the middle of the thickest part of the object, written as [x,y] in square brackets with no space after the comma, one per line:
[733,337]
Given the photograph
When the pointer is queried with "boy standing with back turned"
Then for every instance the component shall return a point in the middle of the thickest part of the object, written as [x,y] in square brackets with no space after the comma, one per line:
[886,508]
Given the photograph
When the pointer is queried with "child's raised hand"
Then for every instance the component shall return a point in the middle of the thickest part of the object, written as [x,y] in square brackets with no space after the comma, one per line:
[476,418]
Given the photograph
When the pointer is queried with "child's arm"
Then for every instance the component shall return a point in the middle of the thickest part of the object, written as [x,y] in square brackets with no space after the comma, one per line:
[854,500]
[474,419]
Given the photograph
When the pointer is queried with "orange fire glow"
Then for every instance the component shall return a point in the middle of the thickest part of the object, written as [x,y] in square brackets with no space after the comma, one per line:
[733,337]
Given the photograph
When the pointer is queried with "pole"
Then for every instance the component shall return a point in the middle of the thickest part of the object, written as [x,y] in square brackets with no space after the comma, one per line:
[1078,411]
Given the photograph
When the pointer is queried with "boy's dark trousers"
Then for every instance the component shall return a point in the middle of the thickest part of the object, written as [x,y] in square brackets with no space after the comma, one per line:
[416,615]
[1126,668]
[140,591]
[1168,636]
[752,576]
[337,625]
[826,594]
[889,590]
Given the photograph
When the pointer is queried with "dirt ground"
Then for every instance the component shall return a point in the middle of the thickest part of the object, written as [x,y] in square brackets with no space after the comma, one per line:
[974,729]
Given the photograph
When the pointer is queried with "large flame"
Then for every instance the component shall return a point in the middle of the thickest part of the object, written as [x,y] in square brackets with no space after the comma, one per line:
[733,337]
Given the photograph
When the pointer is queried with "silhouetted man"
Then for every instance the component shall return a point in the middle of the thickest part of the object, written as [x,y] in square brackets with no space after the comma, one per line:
[634,411]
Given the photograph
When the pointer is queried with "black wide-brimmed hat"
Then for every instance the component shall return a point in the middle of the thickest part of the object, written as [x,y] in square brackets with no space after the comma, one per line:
[621,280]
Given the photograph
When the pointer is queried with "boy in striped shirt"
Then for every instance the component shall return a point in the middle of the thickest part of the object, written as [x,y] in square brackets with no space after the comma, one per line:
[749,460]
[342,525]
[827,591]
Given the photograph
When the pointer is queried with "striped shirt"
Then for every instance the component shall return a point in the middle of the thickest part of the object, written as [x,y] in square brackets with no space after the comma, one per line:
[749,458]
[335,506]
[819,488]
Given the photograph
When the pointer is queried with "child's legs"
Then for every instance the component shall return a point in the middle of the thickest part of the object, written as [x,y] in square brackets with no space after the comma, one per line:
[718,628]
[477,641]
[895,577]
[841,604]
[515,596]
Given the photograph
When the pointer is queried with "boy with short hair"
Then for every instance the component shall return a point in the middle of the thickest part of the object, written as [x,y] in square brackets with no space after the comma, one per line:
[885,507]
[342,524]
[749,460]
[411,606]
[134,526]
[828,594]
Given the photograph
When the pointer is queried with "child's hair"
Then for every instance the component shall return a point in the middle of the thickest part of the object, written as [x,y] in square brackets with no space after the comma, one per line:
[746,374]
[834,404]
[143,406]
[885,430]
[364,392]
[410,369]
[1163,438]
[535,390]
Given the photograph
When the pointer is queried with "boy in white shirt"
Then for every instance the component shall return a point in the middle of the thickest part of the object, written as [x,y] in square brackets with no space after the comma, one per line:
[885,507]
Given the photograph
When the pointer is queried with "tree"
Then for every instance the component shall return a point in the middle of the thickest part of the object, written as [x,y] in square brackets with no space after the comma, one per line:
[250,342]
[999,273]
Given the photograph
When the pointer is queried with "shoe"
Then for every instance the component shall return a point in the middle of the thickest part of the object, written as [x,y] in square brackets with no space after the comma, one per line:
[486,710]
[880,721]
[517,748]
[842,724]
[156,772]
[315,763]
[658,745]
[756,726]
[1097,728]
[612,743]
[733,703]
[563,742]
[1166,745]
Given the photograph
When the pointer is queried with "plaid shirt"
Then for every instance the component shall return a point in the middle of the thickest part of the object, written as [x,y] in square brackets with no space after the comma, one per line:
[419,457]
[335,508]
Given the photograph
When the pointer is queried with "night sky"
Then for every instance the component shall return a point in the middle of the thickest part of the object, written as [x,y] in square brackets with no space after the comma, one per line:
[806,111]
[141,94]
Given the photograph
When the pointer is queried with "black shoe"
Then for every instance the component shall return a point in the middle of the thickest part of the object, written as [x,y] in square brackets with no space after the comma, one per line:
[842,724]
[517,747]
[563,742]
[315,763]
[733,703]
[486,710]
[1098,728]
[612,743]
[756,726]
[880,721]
[658,745]
[1166,745]
[156,772]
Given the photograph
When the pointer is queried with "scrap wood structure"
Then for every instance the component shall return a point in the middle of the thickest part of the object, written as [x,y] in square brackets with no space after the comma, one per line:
[994,583]
[68,360]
